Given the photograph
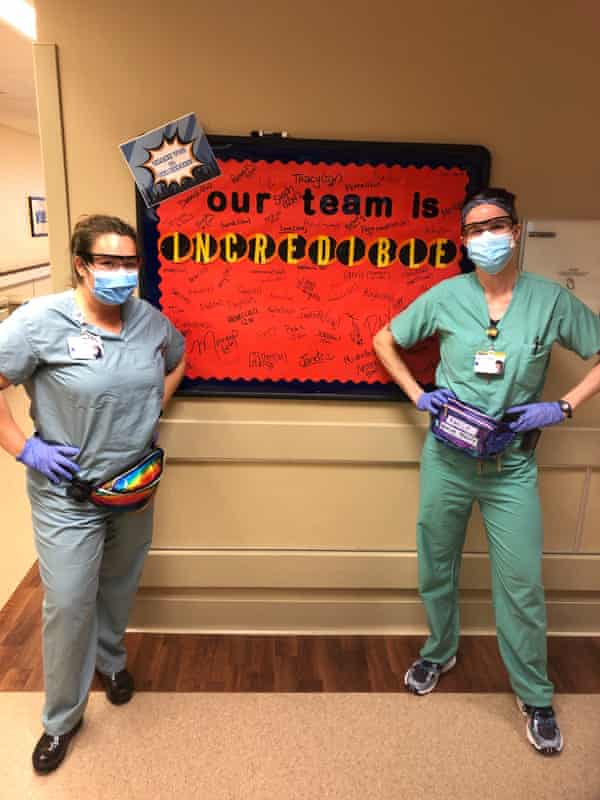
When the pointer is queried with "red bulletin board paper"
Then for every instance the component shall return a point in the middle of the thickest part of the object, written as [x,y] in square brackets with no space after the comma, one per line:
[252,314]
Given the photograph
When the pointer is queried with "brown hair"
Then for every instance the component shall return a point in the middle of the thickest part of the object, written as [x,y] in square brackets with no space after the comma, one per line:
[89,228]
[493,196]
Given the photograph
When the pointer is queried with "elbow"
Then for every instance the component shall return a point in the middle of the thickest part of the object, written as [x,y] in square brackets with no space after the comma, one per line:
[382,339]
[180,368]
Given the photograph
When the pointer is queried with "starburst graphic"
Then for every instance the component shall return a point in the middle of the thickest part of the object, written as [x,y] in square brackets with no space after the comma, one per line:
[173,161]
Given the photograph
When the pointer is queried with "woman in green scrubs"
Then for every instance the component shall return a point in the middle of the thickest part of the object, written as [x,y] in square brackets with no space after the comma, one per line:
[496,328]
[98,365]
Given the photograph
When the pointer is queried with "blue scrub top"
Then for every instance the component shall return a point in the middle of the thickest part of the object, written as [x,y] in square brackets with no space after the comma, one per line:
[541,313]
[107,406]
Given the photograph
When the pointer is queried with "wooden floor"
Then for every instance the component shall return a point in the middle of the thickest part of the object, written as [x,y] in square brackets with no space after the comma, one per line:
[226,663]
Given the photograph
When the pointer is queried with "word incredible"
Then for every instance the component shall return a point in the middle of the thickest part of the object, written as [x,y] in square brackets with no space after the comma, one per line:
[260,248]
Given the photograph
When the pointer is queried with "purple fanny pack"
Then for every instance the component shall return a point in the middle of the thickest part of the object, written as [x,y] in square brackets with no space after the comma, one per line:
[469,430]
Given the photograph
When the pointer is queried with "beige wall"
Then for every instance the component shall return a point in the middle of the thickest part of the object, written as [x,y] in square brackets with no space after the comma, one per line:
[15,530]
[300,515]
[520,80]
[22,176]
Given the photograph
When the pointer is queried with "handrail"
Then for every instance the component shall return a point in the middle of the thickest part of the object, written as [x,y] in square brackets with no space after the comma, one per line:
[23,269]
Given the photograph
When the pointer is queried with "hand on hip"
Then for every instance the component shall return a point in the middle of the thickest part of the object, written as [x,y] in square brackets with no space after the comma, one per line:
[52,460]
[535,415]
[433,401]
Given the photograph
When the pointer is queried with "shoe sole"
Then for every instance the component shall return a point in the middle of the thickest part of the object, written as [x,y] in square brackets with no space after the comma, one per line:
[48,770]
[118,701]
[545,751]
[446,668]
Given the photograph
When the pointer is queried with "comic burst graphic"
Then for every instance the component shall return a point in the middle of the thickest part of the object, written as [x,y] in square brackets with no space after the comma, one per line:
[173,161]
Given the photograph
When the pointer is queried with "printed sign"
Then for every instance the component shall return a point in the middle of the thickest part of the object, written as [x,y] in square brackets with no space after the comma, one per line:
[170,160]
[566,251]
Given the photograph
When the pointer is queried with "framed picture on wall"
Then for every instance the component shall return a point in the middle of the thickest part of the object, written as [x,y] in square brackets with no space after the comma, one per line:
[280,271]
[38,217]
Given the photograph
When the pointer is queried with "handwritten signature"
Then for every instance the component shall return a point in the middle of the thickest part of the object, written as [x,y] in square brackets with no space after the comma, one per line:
[244,317]
[295,331]
[287,197]
[246,172]
[308,288]
[310,359]
[268,360]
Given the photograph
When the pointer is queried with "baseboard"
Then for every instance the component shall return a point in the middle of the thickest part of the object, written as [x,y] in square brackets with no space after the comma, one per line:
[340,569]
[336,612]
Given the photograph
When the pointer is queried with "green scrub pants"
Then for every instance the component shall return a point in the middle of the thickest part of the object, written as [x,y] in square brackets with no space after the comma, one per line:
[90,563]
[508,498]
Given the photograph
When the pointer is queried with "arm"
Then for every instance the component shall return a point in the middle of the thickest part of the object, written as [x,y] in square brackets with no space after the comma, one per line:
[586,388]
[172,381]
[541,415]
[53,461]
[388,354]
[12,438]
[579,330]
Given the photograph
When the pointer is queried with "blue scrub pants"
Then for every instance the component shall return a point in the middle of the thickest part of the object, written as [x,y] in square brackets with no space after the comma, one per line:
[509,501]
[90,563]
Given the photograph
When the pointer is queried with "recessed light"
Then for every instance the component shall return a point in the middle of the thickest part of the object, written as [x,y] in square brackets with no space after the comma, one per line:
[20,15]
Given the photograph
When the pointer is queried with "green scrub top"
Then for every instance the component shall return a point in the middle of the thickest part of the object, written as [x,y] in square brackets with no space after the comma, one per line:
[107,406]
[541,312]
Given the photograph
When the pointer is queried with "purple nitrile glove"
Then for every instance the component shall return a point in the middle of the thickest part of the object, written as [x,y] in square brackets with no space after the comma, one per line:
[52,460]
[535,415]
[433,401]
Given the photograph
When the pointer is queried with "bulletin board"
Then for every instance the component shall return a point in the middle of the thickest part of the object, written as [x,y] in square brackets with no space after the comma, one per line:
[280,271]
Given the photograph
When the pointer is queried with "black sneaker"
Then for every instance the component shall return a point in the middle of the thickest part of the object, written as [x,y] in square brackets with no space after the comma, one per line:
[50,750]
[423,675]
[542,728]
[119,686]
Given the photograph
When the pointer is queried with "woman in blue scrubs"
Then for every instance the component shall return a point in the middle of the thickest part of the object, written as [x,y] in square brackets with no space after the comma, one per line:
[496,327]
[98,365]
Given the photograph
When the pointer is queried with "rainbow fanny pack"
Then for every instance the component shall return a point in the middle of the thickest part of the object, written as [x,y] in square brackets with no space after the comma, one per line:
[130,490]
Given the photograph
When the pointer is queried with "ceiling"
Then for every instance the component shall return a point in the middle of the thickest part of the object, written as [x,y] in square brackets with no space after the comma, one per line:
[18,107]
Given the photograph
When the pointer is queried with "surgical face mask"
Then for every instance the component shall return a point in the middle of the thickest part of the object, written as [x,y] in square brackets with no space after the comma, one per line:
[113,287]
[491,252]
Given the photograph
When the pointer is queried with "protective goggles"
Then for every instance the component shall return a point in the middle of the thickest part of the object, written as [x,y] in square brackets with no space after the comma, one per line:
[109,261]
[496,225]
[130,490]
[469,430]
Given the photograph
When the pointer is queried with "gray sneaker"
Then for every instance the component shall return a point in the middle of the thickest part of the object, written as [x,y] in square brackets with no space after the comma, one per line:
[542,728]
[423,675]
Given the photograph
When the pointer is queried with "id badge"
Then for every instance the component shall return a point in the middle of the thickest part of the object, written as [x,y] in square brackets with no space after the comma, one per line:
[86,347]
[489,362]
